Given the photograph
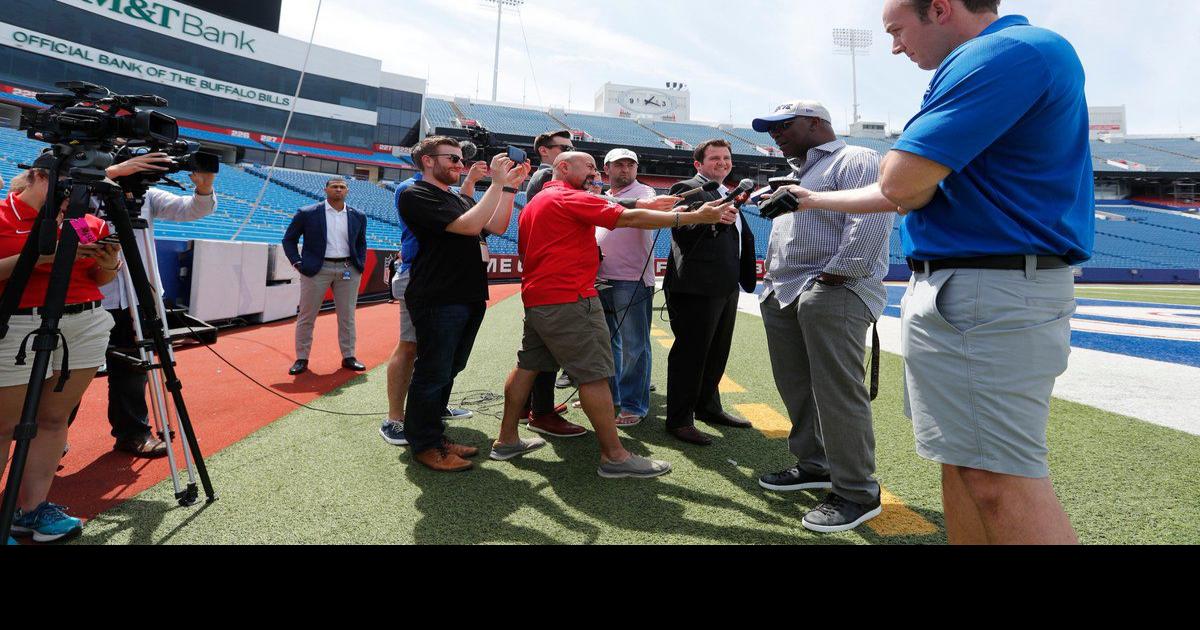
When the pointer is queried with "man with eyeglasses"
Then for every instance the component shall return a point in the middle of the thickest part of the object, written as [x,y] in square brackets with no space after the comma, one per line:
[400,364]
[822,292]
[448,288]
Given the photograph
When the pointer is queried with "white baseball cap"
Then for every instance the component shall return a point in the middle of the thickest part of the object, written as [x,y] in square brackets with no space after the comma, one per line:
[788,111]
[620,154]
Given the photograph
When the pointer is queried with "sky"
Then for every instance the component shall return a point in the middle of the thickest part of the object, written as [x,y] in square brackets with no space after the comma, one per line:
[742,59]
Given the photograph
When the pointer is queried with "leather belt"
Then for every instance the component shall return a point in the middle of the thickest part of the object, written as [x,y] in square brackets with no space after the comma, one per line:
[1004,263]
[337,260]
[70,309]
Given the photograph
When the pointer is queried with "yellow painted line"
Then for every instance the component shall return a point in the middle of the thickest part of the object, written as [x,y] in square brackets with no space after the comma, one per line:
[898,520]
[666,343]
[766,420]
[658,332]
[728,386]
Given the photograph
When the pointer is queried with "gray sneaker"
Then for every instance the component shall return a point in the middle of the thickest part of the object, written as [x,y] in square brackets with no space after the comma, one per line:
[636,466]
[505,452]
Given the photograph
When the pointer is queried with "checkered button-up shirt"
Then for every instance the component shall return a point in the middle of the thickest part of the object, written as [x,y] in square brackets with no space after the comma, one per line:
[806,244]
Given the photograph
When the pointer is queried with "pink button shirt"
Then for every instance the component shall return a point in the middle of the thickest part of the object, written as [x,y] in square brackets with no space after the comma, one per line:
[626,250]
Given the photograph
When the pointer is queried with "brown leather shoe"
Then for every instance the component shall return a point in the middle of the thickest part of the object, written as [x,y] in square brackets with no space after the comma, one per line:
[462,450]
[442,460]
[555,425]
[725,420]
[148,447]
[691,435]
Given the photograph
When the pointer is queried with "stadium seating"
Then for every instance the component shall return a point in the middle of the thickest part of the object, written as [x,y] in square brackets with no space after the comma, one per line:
[694,134]
[439,113]
[511,120]
[610,130]
[189,133]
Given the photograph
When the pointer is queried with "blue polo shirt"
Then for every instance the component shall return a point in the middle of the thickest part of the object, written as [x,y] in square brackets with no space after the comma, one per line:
[1006,113]
[408,240]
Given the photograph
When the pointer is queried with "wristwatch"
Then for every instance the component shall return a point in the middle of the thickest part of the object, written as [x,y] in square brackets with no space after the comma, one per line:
[510,189]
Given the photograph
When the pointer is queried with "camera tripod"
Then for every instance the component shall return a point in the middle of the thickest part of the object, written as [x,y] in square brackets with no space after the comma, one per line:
[84,184]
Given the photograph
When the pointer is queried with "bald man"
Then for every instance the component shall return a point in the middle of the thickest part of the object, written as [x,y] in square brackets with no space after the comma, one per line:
[564,320]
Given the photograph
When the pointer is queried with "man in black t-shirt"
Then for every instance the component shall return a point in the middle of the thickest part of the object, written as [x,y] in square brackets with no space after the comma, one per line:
[448,290]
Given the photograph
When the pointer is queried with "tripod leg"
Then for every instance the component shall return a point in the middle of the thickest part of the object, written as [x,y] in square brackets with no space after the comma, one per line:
[153,324]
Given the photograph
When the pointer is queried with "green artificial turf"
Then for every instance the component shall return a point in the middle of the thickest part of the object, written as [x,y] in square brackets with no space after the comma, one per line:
[315,478]
[1189,296]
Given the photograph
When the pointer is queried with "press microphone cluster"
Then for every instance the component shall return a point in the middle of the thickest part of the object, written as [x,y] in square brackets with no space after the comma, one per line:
[709,187]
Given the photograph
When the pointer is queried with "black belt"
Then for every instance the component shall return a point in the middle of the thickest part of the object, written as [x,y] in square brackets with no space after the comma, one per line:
[70,309]
[1004,263]
[337,260]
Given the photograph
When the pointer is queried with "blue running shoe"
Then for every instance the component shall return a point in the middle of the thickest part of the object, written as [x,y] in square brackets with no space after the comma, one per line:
[457,414]
[47,523]
[393,433]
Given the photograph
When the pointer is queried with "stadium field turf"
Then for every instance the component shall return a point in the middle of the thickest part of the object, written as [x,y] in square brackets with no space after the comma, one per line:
[314,478]
[1177,295]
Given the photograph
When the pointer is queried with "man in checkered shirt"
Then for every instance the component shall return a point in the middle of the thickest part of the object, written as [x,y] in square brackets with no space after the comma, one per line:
[823,291]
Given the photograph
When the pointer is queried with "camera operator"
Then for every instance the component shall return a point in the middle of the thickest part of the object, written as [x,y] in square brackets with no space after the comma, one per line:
[564,320]
[822,292]
[404,357]
[127,411]
[448,288]
[85,328]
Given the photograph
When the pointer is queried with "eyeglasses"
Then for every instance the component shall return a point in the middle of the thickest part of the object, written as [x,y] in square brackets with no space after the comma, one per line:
[783,126]
[564,147]
[454,159]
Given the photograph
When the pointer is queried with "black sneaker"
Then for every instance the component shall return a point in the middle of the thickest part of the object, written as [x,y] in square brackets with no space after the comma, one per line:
[794,479]
[836,514]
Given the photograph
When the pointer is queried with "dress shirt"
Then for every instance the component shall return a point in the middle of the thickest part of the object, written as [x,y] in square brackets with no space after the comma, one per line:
[337,232]
[724,190]
[806,244]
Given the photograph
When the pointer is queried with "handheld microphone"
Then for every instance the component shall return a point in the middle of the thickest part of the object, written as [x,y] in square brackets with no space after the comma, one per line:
[709,187]
[747,185]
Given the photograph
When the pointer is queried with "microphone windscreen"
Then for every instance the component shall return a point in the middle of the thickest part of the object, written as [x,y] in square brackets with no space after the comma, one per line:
[469,150]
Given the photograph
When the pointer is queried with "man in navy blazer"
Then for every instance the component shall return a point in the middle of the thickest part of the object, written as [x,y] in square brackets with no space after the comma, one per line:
[334,257]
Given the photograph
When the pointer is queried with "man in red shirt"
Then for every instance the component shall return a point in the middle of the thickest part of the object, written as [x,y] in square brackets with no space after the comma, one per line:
[564,320]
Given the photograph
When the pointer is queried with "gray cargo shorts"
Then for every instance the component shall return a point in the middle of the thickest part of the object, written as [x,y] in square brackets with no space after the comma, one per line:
[982,349]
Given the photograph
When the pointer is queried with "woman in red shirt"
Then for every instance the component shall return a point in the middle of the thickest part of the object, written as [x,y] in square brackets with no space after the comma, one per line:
[85,326]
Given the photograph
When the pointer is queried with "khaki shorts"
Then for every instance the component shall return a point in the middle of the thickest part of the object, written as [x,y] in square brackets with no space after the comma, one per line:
[982,350]
[87,343]
[408,334]
[574,337]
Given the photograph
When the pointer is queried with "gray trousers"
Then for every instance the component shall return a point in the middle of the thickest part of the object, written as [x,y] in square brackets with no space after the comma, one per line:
[312,295]
[818,353]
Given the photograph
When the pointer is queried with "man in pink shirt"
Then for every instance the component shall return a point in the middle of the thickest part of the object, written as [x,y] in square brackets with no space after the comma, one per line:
[628,269]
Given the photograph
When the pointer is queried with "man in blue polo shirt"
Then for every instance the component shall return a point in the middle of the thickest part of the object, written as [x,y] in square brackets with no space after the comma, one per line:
[996,172]
[403,359]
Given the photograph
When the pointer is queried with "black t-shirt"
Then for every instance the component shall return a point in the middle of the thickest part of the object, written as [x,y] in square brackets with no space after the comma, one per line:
[449,268]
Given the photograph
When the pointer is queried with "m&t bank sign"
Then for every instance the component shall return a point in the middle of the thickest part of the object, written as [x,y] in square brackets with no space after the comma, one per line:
[178,20]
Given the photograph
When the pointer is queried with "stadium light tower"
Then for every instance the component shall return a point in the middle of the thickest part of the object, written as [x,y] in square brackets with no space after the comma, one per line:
[500,6]
[849,41]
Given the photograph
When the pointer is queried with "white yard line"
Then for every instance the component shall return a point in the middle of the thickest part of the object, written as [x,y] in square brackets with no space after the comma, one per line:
[1152,391]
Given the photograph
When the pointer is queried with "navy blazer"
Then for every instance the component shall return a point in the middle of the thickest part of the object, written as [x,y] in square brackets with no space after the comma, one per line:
[309,223]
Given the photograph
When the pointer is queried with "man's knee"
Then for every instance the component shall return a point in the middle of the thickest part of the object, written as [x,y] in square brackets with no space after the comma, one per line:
[989,490]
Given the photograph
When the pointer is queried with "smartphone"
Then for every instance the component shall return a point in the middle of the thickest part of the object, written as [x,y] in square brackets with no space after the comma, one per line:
[517,155]
[111,239]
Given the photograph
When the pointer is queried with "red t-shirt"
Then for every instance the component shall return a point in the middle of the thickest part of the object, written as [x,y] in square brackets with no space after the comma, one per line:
[16,224]
[557,242]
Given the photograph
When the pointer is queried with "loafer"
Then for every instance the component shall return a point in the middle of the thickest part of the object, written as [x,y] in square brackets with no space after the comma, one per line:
[353,364]
[299,367]
[636,467]
[145,447]
[725,420]
[691,435]
[504,452]
[442,460]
